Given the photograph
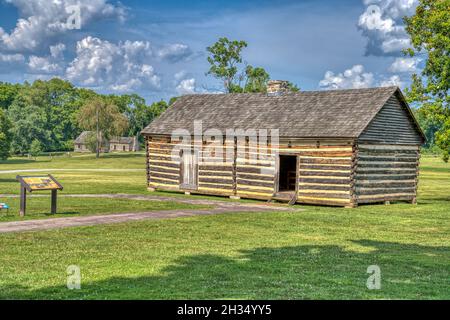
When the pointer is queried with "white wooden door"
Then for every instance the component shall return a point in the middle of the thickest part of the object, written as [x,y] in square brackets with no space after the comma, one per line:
[189,170]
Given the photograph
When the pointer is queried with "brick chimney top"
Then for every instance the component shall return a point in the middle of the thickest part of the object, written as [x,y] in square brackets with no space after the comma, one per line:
[277,87]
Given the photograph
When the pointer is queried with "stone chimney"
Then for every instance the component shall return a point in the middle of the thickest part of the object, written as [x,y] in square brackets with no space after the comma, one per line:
[277,87]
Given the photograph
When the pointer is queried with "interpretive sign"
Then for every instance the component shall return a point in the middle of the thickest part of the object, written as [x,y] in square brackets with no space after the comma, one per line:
[37,183]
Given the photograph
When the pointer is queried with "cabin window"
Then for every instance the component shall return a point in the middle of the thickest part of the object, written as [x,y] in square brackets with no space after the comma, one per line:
[287,173]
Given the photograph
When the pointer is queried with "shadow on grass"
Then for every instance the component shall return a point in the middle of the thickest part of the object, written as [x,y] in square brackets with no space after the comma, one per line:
[122,155]
[297,272]
[22,161]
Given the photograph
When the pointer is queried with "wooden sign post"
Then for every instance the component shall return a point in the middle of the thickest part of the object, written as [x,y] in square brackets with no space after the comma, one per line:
[38,183]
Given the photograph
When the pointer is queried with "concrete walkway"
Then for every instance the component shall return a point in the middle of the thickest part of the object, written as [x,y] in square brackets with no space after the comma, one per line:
[56,223]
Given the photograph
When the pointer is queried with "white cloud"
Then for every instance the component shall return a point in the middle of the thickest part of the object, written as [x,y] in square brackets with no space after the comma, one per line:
[48,65]
[43,65]
[395,45]
[355,77]
[186,86]
[9,58]
[404,65]
[180,75]
[119,67]
[57,50]
[174,52]
[372,19]
[395,8]
[383,27]
[42,20]
[392,81]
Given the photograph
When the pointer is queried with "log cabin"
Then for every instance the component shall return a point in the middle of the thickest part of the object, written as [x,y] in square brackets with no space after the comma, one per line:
[338,148]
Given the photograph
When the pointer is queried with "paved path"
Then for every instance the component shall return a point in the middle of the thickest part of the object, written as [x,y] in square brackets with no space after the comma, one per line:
[56,223]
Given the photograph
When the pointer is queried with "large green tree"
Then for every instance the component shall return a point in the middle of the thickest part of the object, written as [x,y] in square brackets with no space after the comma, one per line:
[102,117]
[8,93]
[5,135]
[29,123]
[429,29]
[224,59]
[46,108]
[226,64]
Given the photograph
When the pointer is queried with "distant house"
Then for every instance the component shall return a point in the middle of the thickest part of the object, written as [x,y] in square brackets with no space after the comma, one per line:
[123,144]
[115,144]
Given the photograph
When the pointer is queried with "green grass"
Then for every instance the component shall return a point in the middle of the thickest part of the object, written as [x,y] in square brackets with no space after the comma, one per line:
[39,208]
[79,176]
[320,252]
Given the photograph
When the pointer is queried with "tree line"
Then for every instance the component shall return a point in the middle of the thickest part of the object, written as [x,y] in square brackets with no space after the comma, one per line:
[49,115]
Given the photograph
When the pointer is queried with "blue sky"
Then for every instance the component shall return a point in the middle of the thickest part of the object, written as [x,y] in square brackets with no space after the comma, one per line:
[157,48]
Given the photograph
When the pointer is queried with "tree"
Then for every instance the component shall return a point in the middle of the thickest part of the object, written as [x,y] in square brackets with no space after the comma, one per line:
[35,148]
[292,87]
[5,136]
[224,58]
[45,110]
[430,36]
[8,93]
[256,79]
[103,118]
[29,123]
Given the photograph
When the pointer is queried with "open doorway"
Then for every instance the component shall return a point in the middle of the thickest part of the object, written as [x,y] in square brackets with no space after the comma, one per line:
[287,173]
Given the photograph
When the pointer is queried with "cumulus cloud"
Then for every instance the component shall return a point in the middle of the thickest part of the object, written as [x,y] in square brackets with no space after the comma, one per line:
[184,83]
[174,52]
[57,50]
[186,86]
[392,81]
[356,78]
[48,65]
[395,8]
[120,67]
[352,78]
[43,65]
[11,58]
[404,65]
[383,27]
[41,21]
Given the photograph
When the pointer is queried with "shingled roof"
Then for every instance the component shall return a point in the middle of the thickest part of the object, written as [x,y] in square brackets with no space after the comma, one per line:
[309,114]
[82,137]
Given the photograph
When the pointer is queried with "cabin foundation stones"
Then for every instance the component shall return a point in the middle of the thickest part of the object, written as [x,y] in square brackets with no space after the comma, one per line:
[340,148]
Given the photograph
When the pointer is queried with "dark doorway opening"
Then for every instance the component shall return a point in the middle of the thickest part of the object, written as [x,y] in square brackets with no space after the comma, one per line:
[287,173]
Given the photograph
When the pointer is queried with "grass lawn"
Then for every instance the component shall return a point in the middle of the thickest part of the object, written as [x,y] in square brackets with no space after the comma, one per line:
[39,208]
[80,173]
[320,252]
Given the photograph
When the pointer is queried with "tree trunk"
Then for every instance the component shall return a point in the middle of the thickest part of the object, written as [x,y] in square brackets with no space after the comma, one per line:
[98,135]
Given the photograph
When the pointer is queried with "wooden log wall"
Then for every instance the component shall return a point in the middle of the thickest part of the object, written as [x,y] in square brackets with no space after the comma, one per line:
[392,125]
[215,174]
[325,170]
[386,173]
[163,171]
[255,171]
[325,174]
